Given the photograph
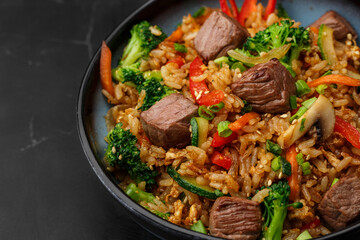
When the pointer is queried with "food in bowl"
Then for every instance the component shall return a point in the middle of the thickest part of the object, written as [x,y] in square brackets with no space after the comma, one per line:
[239,124]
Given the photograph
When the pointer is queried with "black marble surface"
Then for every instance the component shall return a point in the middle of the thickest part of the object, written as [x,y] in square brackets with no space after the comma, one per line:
[48,189]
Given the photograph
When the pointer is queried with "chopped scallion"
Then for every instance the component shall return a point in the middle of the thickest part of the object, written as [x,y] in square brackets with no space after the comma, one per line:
[299,113]
[276,164]
[200,12]
[199,227]
[293,102]
[309,102]
[216,107]
[306,168]
[302,124]
[334,181]
[301,88]
[180,48]
[247,108]
[238,65]
[219,61]
[321,88]
[300,158]
[273,148]
[223,129]
[205,113]
[327,73]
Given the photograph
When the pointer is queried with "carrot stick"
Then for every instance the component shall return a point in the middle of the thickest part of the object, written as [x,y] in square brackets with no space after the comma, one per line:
[105,69]
[175,35]
[242,121]
[337,79]
[294,178]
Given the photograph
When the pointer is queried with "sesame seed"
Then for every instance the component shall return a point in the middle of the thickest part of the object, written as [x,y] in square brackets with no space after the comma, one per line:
[269,182]
[349,36]
[284,115]
[248,194]
[308,157]
[314,177]
[199,95]
[261,166]
[113,150]
[155,31]
[280,174]
[120,157]
[258,132]
[297,149]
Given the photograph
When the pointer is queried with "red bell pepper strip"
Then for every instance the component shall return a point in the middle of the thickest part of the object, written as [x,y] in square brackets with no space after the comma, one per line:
[247,8]
[178,60]
[221,160]
[225,8]
[270,8]
[293,179]
[199,90]
[348,131]
[219,141]
[312,224]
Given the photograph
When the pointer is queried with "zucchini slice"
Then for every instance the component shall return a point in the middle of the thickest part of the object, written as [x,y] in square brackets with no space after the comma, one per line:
[199,131]
[189,183]
[326,44]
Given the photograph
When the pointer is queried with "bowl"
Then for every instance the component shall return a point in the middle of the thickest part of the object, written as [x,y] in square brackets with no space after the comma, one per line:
[92,106]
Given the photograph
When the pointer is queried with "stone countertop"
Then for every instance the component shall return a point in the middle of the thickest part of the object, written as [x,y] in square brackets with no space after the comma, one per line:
[49,190]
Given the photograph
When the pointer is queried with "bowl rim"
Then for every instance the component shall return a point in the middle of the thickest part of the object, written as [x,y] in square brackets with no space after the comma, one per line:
[112,188]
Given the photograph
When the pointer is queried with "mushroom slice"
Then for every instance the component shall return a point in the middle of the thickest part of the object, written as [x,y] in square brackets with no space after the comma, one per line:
[320,113]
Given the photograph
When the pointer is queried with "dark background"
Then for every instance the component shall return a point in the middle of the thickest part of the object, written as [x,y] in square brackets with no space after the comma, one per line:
[48,189]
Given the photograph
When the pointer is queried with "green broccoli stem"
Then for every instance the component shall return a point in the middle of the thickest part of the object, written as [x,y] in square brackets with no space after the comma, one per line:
[133,52]
[294,55]
[274,231]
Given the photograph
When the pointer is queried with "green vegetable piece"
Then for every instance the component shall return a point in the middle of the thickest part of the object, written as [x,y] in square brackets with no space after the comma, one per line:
[289,68]
[334,181]
[247,108]
[273,148]
[194,132]
[204,112]
[180,48]
[296,205]
[199,227]
[219,61]
[300,158]
[321,88]
[190,184]
[285,166]
[223,129]
[299,113]
[275,210]
[293,104]
[138,195]
[328,72]
[301,88]
[238,65]
[333,85]
[122,152]
[309,102]
[302,124]
[326,44]
[161,214]
[306,168]
[304,235]
[276,164]
[200,12]
[216,107]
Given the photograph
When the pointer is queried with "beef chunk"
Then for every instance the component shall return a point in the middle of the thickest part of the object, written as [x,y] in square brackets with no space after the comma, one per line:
[340,25]
[267,87]
[167,122]
[235,218]
[341,203]
[219,34]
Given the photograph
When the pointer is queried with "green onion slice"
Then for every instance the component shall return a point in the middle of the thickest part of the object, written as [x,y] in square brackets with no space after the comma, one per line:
[204,112]
[293,102]
[216,107]
[301,88]
[223,129]
[180,48]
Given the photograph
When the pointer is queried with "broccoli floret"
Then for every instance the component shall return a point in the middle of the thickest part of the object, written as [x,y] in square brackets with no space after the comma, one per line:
[275,210]
[155,91]
[129,74]
[278,35]
[142,41]
[121,151]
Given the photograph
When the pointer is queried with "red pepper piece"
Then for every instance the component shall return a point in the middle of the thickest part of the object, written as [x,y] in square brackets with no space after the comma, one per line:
[199,90]
[247,8]
[178,60]
[219,141]
[348,131]
[270,8]
[221,160]
[225,8]
[312,224]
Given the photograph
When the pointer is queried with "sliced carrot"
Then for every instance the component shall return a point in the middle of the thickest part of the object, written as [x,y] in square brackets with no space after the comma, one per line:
[337,79]
[242,121]
[105,69]
[176,35]
[294,178]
